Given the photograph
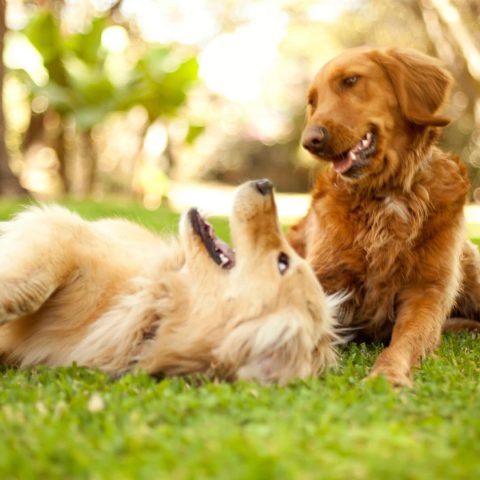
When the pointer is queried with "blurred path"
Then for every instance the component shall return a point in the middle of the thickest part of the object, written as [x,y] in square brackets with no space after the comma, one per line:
[216,199]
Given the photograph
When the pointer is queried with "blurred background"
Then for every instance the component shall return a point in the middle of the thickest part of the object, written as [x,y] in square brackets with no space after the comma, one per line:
[137,98]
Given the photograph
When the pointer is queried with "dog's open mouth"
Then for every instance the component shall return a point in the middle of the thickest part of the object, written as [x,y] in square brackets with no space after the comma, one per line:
[219,251]
[364,149]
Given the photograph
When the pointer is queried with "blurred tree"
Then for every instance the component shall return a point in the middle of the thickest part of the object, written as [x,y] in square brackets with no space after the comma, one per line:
[78,88]
[161,89]
[256,138]
[81,92]
[9,184]
[452,27]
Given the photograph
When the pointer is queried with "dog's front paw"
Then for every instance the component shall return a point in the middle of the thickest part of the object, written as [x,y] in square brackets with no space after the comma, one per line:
[394,377]
[394,367]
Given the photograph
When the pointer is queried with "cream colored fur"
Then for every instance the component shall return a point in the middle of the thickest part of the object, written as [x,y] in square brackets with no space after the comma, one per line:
[110,294]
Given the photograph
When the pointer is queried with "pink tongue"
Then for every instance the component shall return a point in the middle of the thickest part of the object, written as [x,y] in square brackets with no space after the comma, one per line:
[342,165]
[225,249]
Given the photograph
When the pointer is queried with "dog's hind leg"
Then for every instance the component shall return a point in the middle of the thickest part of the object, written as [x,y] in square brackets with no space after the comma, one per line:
[32,259]
[466,313]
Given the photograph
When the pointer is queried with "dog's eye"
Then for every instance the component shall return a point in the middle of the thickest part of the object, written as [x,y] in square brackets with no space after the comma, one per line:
[350,81]
[283,263]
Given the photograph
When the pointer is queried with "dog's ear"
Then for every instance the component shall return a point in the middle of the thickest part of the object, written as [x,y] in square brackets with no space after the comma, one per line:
[420,84]
[267,349]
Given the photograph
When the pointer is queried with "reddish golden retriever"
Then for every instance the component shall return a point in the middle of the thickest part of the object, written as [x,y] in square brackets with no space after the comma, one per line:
[386,221]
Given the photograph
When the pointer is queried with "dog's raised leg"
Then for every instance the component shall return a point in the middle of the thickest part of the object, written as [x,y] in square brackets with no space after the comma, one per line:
[23,296]
[31,263]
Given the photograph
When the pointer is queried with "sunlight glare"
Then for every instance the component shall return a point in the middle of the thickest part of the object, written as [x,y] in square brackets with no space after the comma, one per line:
[184,21]
[235,64]
[20,54]
[115,39]
[156,140]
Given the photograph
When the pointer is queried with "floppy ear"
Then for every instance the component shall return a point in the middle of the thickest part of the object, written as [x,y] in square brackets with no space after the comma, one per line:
[274,348]
[420,84]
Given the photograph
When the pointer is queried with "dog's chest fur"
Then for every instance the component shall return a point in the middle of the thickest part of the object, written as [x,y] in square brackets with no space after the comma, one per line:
[374,246]
[365,249]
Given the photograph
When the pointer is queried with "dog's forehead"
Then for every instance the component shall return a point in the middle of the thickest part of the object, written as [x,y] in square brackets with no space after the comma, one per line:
[356,61]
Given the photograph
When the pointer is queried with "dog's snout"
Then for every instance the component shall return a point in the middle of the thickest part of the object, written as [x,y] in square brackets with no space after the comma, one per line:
[264,186]
[315,138]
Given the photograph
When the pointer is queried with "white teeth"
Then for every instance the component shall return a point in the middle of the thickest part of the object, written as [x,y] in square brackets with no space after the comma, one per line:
[361,146]
[364,142]
[223,258]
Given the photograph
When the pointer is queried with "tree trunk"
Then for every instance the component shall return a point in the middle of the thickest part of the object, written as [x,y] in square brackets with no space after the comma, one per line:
[434,12]
[88,163]
[59,147]
[9,184]
[464,39]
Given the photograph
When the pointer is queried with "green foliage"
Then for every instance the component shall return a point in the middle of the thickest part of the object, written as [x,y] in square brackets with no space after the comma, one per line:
[43,32]
[161,220]
[194,131]
[79,85]
[160,89]
[87,46]
[79,423]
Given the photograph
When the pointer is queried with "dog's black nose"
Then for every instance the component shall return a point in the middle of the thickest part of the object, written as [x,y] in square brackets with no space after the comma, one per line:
[264,186]
[315,138]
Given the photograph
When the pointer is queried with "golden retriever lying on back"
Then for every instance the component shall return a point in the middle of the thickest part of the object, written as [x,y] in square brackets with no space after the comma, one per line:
[386,221]
[112,295]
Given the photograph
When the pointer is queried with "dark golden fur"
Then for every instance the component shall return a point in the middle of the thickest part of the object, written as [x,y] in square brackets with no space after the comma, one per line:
[386,221]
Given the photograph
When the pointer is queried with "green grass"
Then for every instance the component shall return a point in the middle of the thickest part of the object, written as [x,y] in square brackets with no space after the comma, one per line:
[77,423]
[161,220]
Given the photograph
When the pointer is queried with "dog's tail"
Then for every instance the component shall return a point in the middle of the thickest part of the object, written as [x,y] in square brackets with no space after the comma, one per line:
[461,325]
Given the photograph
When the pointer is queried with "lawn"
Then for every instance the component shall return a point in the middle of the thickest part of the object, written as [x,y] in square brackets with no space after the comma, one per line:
[76,423]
